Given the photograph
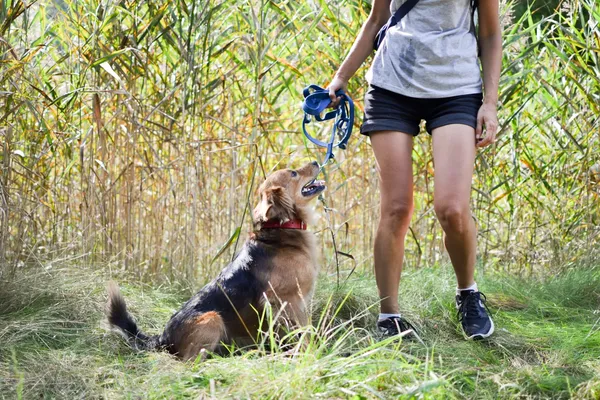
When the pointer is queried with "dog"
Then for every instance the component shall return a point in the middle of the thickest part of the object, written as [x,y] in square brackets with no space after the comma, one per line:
[276,267]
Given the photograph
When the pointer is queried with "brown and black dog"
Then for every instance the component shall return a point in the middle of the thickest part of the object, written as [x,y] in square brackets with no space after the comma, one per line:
[277,265]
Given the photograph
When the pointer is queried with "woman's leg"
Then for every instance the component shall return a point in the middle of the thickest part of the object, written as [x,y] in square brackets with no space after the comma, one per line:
[393,152]
[454,157]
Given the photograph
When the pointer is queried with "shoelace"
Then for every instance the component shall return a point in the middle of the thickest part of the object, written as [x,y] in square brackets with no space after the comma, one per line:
[396,325]
[470,305]
[399,324]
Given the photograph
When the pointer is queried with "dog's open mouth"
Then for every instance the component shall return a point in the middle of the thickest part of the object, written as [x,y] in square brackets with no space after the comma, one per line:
[313,188]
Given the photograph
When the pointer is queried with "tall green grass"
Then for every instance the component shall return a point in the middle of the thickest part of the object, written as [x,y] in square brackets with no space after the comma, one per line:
[135,133]
[54,343]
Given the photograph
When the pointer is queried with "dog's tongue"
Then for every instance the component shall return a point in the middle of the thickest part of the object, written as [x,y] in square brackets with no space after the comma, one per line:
[313,187]
[313,184]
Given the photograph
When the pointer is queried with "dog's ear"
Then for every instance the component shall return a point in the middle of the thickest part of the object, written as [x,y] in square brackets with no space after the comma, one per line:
[261,212]
[275,203]
[282,204]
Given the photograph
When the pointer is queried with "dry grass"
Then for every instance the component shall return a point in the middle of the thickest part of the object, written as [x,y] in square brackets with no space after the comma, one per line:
[134,133]
[54,343]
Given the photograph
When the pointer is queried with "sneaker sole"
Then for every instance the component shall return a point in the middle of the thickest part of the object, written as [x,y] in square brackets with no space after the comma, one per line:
[481,336]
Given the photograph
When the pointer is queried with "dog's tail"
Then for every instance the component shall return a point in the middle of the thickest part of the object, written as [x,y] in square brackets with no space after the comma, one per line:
[122,322]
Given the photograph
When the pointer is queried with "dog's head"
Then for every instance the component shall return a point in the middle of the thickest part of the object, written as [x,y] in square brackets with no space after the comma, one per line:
[286,194]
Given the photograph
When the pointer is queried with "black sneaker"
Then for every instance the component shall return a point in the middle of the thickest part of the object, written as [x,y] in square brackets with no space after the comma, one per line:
[473,315]
[396,325]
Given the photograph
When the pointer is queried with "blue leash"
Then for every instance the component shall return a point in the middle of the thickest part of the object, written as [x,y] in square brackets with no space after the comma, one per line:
[316,100]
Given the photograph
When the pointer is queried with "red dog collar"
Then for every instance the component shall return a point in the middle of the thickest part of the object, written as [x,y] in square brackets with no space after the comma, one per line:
[293,224]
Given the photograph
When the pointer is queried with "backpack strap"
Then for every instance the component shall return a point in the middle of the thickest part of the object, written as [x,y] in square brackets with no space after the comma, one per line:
[404,9]
[392,21]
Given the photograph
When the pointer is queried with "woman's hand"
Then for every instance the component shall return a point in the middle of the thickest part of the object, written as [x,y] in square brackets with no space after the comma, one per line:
[488,117]
[336,84]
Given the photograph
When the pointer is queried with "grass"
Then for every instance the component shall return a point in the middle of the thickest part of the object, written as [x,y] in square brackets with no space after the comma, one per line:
[54,344]
[135,131]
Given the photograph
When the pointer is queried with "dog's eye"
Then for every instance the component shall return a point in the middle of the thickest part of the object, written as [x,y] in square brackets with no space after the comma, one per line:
[294,174]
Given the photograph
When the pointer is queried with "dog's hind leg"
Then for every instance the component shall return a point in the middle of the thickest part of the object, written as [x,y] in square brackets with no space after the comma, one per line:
[203,332]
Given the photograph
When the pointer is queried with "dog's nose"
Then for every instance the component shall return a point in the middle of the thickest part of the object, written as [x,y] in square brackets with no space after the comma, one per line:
[314,163]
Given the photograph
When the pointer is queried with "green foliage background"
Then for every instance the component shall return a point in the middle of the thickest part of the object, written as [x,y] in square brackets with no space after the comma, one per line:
[135,133]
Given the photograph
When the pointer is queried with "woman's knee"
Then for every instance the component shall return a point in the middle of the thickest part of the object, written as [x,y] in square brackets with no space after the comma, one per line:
[396,216]
[453,217]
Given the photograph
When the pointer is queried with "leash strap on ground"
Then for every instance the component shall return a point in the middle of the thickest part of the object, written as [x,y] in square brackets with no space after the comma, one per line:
[316,100]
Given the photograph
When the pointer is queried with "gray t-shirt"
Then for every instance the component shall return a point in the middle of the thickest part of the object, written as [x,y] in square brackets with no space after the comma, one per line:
[430,53]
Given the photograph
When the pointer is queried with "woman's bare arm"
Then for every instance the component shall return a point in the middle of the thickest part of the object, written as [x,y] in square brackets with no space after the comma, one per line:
[362,47]
[490,41]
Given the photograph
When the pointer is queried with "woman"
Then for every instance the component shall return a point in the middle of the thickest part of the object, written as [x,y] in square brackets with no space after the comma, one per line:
[427,68]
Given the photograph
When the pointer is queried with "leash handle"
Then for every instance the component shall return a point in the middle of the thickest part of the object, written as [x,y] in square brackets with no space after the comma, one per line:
[316,100]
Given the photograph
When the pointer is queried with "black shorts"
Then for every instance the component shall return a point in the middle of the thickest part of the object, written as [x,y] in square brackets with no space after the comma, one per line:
[389,111]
